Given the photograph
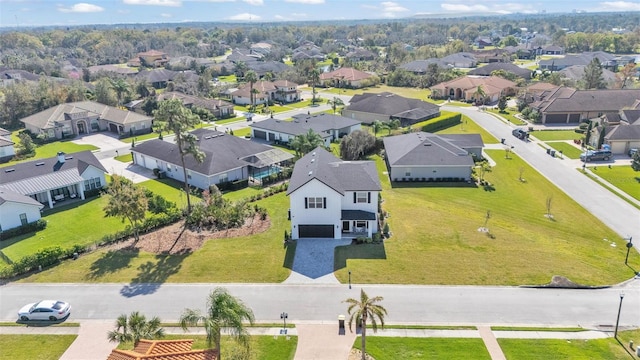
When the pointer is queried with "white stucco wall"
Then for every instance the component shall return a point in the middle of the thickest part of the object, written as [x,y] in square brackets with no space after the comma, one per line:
[93,172]
[428,172]
[10,214]
[329,216]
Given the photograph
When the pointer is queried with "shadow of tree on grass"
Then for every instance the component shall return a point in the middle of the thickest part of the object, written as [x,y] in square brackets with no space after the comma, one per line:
[111,261]
[151,275]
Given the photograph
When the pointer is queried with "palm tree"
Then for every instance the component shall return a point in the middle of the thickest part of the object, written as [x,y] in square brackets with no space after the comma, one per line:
[363,310]
[223,311]
[306,142]
[377,126]
[314,78]
[121,87]
[335,103]
[134,328]
[479,94]
[251,77]
[240,68]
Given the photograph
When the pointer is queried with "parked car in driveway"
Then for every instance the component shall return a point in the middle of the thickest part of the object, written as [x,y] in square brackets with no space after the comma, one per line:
[595,155]
[632,152]
[45,310]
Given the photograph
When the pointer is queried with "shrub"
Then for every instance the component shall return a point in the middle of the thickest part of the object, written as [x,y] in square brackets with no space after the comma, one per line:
[442,122]
[385,230]
[363,240]
[38,225]
[377,238]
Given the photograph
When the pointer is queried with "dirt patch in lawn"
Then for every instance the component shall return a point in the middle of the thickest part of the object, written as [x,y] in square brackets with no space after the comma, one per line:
[175,239]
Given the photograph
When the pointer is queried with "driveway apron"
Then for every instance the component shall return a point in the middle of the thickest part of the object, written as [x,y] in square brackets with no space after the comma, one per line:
[313,261]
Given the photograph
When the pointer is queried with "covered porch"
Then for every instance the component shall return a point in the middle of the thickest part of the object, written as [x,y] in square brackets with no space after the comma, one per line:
[358,223]
[51,188]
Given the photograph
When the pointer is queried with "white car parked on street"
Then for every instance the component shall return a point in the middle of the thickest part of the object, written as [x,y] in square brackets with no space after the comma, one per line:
[45,310]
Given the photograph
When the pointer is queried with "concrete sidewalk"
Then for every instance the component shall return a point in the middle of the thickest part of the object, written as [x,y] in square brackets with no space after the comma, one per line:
[316,341]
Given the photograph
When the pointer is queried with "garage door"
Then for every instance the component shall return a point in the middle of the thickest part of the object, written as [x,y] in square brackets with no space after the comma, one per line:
[556,118]
[315,231]
[258,134]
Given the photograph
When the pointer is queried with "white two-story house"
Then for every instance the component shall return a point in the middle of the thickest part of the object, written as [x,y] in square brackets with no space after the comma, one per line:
[332,198]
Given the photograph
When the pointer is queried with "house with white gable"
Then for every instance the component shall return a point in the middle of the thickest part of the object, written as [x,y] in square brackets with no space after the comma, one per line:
[332,198]
[17,210]
[7,150]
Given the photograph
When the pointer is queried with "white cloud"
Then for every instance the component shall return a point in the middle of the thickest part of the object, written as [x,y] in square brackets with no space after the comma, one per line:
[310,2]
[392,9]
[621,5]
[123,11]
[299,15]
[81,8]
[244,17]
[254,2]
[463,7]
[154,2]
[165,15]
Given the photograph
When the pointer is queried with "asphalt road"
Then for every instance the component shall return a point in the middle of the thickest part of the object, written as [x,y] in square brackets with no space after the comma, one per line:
[323,303]
[616,213]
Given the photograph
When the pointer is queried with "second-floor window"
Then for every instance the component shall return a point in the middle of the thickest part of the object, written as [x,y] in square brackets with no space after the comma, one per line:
[361,197]
[315,203]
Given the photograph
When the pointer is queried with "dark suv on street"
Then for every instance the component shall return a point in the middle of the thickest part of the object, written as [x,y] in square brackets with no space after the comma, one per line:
[592,155]
[520,134]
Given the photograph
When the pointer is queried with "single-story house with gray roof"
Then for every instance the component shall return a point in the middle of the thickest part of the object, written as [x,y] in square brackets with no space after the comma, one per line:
[422,156]
[332,198]
[17,210]
[386,106]
[509,67]
[622,129]
[227,158]
[55,179]
[7,151]
[329,127]
[85,117]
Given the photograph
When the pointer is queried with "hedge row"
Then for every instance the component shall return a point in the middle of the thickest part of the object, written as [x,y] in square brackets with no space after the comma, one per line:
[38,225]
[442,122]
[149,224]
[41,259]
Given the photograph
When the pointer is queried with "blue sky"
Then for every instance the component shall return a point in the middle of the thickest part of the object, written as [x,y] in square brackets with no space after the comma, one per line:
[83,12]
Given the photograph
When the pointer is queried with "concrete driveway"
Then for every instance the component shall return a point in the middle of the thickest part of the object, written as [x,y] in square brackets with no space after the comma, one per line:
[105,141]
[313,261]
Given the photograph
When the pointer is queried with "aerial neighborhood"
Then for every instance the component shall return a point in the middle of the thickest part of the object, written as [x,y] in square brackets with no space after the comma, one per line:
[357,173]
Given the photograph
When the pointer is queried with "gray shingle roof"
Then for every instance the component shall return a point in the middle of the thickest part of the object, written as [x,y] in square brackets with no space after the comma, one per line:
[7,195]
[576,72]
[426,149]
[46,119]
[391,105]
[39,175]
[337,174]
[624,132]
[491,67]
[301,124]
[223,152]
[571,100]
[357,215]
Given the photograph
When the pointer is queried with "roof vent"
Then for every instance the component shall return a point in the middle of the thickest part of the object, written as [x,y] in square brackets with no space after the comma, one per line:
[207,137]
[39,164]
[426,143]
[10,170]
[310,173]
[313,153]
[68,157]
[312,160]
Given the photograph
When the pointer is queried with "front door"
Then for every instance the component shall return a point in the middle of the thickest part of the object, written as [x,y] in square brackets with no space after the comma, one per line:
[346,226]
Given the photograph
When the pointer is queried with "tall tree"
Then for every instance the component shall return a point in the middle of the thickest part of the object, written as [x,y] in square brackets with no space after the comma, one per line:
[592,77]
[135,327]
[335,103]
[173,117]
[240,68]
[128,202]
[376,126]
[121,87]
[356,145]
[306,142]
[251,77]
[363,310]
[105,93]
[223,311]
[314,79]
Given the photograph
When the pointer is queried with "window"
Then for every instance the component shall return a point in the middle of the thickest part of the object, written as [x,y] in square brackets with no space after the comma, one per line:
[223,178]
[189,174]
[315,203]
[23,218]
[91,184]
[361,197]
[408,173]
[361,224]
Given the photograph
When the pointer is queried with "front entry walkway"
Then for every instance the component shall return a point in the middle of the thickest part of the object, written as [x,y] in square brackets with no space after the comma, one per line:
[323,342]
[313,261]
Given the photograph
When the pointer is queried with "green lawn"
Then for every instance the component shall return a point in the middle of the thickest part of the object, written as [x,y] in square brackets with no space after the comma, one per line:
[568,150]
[415,93]
[262,347]
[171,190]
[435,238]
[255,258]
[549,349]
[228,78]
[623,177]
[52,149]
[242,132]
[34,347]
[393,348]
[555,135]
[127,158]
[508,114]
[468,126]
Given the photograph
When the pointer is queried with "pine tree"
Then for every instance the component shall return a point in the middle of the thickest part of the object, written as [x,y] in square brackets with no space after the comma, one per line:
[592,77]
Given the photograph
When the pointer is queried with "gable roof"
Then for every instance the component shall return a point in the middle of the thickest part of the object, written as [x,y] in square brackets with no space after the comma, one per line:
[163,350]
[320,124]
[7,196]
[339,175]
[223,152]
[426,149]
[563,99]
[33,176]
[263,87]
[576,72]
[490,84]
[392,105]
[47,119]
[263,67]
[210,104]
[491,67]
[624,132]
[345,74]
